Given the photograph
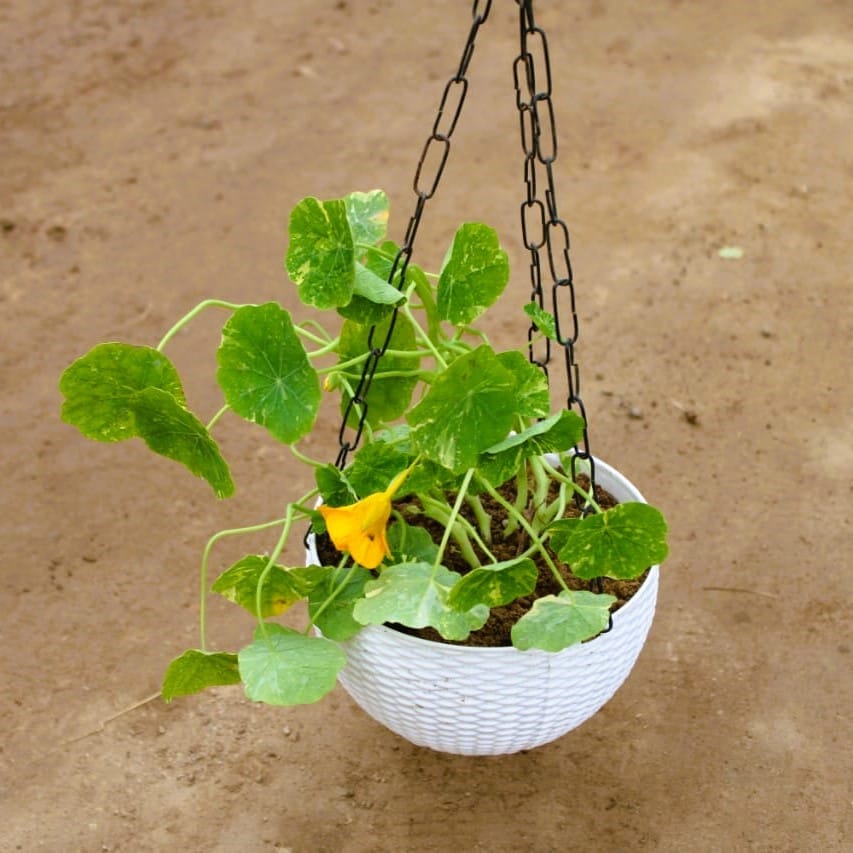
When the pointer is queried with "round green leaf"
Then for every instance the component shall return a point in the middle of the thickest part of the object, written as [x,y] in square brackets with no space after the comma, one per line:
[534,400]
[415,594]
[474,276]
[265,374]
[335,620]
[321,258]
[409,543]
[377,463]
[288,668]
[556,622]
[621,542]
[561,530]
[468,408]
[495,585]
[335,488]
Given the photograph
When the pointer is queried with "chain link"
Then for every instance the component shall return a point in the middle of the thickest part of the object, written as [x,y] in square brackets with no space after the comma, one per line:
[541,225]
[428,174]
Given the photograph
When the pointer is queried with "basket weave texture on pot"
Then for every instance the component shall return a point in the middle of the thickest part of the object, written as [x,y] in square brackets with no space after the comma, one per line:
[491,701]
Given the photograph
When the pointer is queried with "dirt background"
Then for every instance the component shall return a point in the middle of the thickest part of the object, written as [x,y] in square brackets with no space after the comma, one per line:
[151,152]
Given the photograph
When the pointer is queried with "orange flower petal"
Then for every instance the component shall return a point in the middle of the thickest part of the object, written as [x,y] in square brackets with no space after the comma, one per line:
[370,550]
[359,529]
[341,523]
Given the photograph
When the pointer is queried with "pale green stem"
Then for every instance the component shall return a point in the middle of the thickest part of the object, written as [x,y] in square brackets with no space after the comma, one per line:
[552,510]
[426,375]
[558,508]
[462,531]
[460,536]
[560,476]
[343,365]
[208,303]
[302,457]
[321,337]
[205,559]
[457,346]
[425,338]
[542,480]
[469,330]
[407,353]
[360,359]
[484,521]
[425,294]
[217,416]
[331,346]
[451,520]
[271,561]
[522,489]
[365,247]
[534,536]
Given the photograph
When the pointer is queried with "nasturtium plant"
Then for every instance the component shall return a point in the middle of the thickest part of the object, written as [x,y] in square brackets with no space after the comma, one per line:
[474,275]
[468,407]
[440,430]
[265,374]
[391,390]
[196,670]
[285,667]
[281,588]
[321,257]
[119,391]
[557,621]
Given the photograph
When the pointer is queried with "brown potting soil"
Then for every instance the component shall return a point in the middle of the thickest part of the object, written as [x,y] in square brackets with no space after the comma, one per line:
[498,627]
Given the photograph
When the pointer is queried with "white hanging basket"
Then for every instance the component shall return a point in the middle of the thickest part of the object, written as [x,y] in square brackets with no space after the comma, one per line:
[471,700]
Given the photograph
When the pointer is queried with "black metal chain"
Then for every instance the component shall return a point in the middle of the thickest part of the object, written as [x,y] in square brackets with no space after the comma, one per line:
[541,225]
[542,229]
[427,176]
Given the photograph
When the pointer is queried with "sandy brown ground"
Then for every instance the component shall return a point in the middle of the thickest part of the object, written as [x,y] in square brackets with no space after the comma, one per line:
[149,155]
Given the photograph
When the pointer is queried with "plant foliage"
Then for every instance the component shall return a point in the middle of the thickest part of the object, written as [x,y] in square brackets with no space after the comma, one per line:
[443,418]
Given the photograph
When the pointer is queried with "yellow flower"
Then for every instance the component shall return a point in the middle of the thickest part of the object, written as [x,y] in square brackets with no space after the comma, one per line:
[359,529]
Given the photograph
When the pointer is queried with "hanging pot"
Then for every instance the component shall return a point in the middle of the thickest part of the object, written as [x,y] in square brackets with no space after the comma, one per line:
[471,700]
